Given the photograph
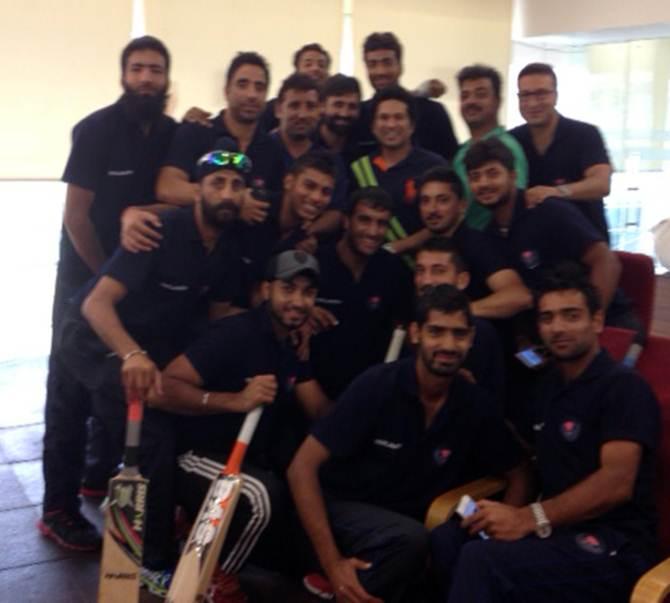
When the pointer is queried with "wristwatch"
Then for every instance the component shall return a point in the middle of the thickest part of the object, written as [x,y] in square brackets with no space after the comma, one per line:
[563,190]
[542,523]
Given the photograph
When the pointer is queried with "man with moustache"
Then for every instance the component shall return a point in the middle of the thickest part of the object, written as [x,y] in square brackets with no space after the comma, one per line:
[536,239]
[439,262]
[341,106]
[396,165]
[298,111]
[382,55]
[243,362]
[312,60]
[365,292]
[495,288]
[139,313]
[115,156]
[595,426]
[480,98]
[400,434]
[567,159]
[247,81]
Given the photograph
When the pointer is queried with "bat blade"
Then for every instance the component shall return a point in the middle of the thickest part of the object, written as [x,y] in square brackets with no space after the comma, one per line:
[122,544]
[203,547]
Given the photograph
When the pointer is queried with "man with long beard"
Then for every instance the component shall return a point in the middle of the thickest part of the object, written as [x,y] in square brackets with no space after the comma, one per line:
[115,156]
[140,312]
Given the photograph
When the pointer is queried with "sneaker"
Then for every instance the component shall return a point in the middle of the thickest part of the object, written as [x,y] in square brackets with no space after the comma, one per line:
[319,585]
[157,582]
[70,530]
[225,588]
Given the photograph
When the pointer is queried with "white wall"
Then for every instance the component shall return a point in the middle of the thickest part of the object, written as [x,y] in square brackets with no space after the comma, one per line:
[543,17]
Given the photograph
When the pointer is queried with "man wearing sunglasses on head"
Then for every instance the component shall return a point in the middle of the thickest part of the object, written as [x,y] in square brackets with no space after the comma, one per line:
[140,312]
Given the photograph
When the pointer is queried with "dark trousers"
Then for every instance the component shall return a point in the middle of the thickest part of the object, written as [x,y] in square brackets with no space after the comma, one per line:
[65,444]
[598,566]
[263,521]
[395,545]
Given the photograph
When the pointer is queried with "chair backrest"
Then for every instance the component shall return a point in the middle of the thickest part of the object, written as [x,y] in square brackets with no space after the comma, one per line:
[617,341]
[638,282]
[654,366]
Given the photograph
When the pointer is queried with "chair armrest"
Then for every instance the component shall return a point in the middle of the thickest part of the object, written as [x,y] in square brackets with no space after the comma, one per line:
[653,586]
[443,507]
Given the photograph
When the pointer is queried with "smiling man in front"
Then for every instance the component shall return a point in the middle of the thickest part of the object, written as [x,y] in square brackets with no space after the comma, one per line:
[596,425]
[401,434]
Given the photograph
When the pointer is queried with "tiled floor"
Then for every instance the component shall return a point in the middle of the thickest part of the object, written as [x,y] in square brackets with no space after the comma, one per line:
[32,569]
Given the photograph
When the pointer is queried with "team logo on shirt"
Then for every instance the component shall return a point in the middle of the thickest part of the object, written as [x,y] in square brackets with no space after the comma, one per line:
[410,191]
[374,302]
[530,259]
[590,543]
[570,429]
[441,456]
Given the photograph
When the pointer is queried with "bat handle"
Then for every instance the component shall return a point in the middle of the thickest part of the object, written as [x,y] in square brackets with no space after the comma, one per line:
[234,463]
[133,431]
[396,344]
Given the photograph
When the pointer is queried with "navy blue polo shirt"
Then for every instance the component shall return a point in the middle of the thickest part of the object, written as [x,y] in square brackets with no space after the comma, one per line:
[573,420]
[367,311]
[399,181]
[433,130]
[352,150]
[543,236]
[113,157]
[233,350]
[576,146]
[341,186]
[169,288]
[484,256]
[383,454]
[193,140]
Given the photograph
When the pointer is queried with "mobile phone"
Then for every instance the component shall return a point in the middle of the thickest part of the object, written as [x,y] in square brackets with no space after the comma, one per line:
[531,357]
[466,507]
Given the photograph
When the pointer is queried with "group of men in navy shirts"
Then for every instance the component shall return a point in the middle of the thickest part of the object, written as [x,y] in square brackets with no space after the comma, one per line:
[264,255]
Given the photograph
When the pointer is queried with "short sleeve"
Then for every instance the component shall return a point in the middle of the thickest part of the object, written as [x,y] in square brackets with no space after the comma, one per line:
[86,163]
[344,429]
[631,412]
[184,149]
[130,269]
[591,149]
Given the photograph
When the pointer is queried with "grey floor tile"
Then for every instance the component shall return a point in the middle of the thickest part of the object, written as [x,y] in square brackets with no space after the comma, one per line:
[29,475]
[22,443]
[64,581]
[12,495]
[22,391]
[21,537]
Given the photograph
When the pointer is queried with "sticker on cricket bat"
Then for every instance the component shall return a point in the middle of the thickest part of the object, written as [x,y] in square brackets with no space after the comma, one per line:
[208,523]
[126,517]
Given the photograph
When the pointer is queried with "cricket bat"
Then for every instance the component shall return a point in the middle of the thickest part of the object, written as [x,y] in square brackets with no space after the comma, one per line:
[124,521]
[203,547]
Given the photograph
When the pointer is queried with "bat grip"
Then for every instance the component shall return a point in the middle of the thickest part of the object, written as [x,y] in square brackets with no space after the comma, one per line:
[234,463]
[133,431]
[396,344]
